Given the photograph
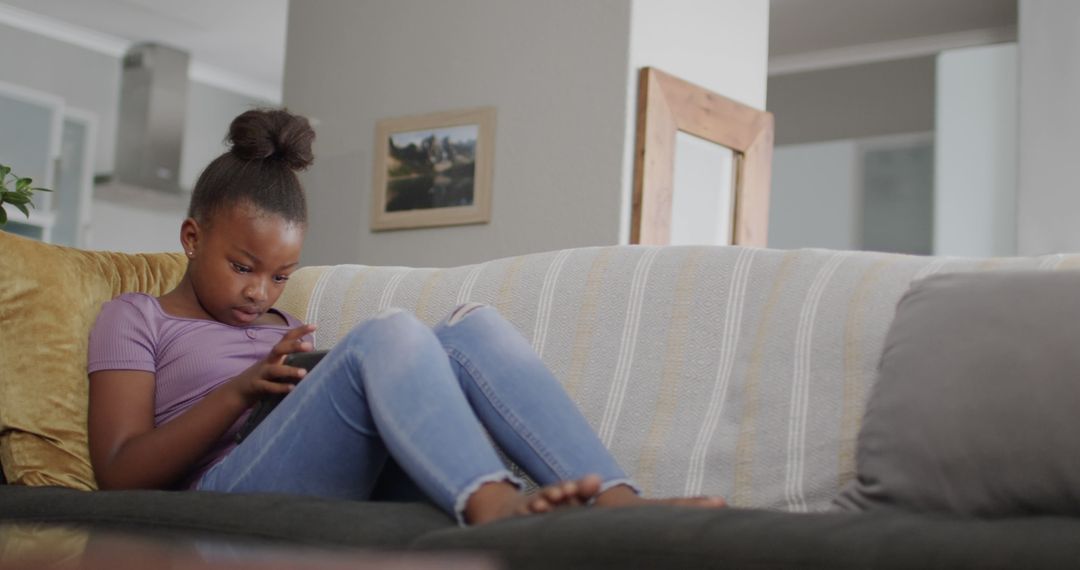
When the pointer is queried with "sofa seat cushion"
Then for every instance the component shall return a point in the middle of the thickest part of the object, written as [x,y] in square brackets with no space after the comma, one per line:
[679,537]
[221,515]
[49,298]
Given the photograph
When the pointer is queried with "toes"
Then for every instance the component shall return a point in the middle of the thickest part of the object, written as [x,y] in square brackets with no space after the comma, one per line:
[570,493]
[554,494]
[588,487]
[539,505]
[710,501]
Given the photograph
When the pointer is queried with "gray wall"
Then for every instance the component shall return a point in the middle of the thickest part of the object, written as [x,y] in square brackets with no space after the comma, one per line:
[555,71]
[1048,204]
[892,97]
[562,75]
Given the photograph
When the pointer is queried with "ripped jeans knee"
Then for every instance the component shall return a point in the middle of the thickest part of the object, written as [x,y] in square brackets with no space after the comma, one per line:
[462,311]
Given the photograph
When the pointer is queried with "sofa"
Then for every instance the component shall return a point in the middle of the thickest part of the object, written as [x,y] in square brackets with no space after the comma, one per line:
[728,371]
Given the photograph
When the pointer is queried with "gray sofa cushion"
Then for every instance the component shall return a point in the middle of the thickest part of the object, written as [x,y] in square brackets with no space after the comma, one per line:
[977,403]
[675,538]
[259,516]
[644,537]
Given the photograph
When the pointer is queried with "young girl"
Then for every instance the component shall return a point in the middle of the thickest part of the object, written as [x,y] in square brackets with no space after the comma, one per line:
[172,378]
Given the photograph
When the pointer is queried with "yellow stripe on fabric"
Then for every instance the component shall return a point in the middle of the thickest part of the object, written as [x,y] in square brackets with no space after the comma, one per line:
[667,399]
[509,283]
[1070,262]
[852,403]
[742,490]
[990,264]
[297,295]
[350,305]
[424,299]
[586,323]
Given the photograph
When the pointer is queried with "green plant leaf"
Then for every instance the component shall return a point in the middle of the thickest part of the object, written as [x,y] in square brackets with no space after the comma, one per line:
[23,209]
[4,171]
[41,190]
[23,183]
[16,198]
[3,216]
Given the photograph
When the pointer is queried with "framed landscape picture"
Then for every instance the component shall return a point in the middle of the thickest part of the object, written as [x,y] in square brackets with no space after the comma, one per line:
[433,170]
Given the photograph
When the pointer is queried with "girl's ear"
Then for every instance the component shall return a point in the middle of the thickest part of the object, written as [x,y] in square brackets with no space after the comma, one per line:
[189,236]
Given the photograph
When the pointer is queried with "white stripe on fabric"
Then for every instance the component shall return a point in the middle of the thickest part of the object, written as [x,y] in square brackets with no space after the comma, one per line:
[800,388]
[391,287]
[728,347]
[465,294]
[1052,262]
[316,300]
[626,348]
[930,268]
[547,297]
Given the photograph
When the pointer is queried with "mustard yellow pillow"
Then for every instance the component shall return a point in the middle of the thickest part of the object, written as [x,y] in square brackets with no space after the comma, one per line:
[49,298]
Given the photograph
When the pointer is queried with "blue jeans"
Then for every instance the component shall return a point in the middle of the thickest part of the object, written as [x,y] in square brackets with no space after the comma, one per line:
[393,387]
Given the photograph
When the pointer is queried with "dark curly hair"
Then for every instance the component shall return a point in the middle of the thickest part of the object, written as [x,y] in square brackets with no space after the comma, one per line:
[268,146]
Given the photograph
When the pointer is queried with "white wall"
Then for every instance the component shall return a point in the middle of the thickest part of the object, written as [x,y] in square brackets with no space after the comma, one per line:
[1049,201]
[85,79]
[90,80]
[976,152]
[132,221]
[137,222]
[721,45]
[815,196]
[210,111]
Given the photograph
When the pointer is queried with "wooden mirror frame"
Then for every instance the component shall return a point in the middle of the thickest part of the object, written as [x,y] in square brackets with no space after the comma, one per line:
[666,105]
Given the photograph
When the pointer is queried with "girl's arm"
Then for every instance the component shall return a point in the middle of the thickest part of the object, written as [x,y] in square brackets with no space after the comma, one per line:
[128,452]
[125,449]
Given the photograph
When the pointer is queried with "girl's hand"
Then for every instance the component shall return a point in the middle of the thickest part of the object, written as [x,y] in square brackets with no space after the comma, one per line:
[270,375]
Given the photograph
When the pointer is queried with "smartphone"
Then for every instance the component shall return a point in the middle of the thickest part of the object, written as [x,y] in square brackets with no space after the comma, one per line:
[305,360]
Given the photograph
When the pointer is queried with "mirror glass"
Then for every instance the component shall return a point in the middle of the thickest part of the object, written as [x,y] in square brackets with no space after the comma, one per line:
[703,192]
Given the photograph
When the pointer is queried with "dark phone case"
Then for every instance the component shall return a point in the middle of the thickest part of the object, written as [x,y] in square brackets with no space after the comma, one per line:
[305,360]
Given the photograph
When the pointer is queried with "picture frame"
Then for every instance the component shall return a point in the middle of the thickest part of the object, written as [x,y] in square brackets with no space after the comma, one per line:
[668,107]
[433,170]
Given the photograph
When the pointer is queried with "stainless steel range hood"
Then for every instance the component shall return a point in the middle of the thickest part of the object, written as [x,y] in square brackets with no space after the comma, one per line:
[150,133]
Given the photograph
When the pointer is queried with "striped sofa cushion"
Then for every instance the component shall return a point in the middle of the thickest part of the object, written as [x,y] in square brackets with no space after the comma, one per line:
[719,370]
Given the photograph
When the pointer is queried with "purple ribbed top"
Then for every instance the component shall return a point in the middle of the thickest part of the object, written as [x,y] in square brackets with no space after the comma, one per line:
[188,357]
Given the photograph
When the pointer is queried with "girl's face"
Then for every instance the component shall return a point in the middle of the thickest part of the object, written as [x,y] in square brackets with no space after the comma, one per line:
[240,263]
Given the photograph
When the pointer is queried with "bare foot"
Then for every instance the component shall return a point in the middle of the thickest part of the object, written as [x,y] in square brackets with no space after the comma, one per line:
[623,496]
[500,500]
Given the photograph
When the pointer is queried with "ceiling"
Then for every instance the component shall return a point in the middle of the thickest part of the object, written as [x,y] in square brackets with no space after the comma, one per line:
[800,26]
[241,37]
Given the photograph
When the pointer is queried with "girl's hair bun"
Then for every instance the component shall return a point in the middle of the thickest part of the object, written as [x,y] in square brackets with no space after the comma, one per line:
[272,134]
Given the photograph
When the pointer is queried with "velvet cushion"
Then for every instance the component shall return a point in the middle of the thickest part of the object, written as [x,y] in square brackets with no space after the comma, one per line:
[975,410]
[49,298]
